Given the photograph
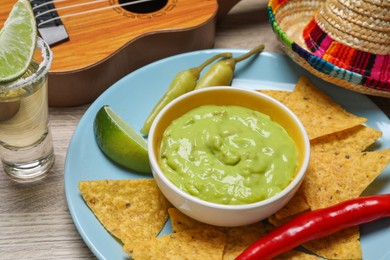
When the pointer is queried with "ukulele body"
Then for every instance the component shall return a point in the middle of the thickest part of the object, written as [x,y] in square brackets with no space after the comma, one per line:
[106,42]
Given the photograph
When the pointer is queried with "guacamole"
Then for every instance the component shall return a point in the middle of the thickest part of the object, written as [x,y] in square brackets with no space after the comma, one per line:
[228,155]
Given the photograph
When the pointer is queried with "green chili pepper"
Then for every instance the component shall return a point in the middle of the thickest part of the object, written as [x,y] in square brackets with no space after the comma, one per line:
[221,73]
[183,82]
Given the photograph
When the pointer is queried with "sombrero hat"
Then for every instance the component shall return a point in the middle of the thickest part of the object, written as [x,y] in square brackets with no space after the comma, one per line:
[345,42]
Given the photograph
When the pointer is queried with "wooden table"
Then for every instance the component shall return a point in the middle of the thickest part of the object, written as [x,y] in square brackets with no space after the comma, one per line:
[34,219]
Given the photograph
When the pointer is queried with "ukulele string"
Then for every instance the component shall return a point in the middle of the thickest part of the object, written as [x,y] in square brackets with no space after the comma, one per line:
[45,3]
[84,12]
[64,7]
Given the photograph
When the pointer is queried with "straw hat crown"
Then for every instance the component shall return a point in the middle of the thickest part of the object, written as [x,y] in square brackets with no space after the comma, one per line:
[354,35]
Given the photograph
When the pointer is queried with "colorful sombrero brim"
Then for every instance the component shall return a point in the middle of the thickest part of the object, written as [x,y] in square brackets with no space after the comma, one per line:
[288,19]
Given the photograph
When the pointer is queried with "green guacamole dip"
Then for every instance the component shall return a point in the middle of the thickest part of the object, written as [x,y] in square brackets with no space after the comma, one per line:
[228,155]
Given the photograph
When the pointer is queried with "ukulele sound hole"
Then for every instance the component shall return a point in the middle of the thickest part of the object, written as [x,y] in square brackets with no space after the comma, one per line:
[142,7]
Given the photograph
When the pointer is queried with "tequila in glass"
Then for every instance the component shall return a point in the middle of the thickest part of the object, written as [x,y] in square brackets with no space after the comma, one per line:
[26,147]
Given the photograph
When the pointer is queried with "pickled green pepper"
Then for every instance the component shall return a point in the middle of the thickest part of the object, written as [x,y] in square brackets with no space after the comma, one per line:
[184,81]
[221,73]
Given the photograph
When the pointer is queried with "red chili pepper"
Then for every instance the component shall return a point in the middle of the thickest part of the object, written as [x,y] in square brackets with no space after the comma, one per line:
[317,224]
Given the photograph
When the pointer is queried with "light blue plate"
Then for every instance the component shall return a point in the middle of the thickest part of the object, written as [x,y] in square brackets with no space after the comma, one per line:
[134,96]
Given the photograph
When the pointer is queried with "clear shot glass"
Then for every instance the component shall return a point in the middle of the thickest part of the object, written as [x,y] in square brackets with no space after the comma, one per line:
[26,146]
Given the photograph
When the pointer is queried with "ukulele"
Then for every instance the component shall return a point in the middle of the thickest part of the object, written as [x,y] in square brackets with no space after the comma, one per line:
[97,42]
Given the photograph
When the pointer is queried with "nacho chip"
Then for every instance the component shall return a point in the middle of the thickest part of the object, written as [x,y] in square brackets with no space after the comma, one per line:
[319,114]
[296,205]
[181,222]
[201,243]
[296,255]
[239,238]
[355,139]
[344,244]
[279,95]
[280,221]
[131,210]
[332,178]
[276,221]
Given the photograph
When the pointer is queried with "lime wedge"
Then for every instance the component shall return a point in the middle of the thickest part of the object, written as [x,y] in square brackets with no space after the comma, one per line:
[120,142]
[17,41]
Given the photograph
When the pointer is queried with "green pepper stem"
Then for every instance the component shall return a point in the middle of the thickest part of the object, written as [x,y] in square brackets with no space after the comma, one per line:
[256,50]
[226,55]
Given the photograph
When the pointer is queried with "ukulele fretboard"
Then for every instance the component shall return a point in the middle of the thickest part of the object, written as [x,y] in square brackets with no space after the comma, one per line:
[49,24]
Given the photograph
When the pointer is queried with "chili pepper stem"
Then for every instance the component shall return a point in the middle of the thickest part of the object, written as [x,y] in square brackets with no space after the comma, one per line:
[255,50]
[221,73]
[225,55]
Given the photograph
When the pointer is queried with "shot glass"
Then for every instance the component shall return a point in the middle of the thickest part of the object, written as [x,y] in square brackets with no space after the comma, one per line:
[26,146]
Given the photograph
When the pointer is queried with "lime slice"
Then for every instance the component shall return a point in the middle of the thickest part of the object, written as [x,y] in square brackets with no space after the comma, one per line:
[17,41]
[120,142]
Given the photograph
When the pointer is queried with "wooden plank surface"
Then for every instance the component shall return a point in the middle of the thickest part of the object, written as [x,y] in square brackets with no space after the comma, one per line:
[34,219]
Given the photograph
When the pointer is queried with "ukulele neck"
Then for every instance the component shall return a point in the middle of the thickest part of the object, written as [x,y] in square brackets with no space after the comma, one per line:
[49,24]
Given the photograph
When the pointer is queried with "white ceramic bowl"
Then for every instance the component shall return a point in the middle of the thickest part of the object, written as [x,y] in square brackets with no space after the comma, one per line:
[219,214]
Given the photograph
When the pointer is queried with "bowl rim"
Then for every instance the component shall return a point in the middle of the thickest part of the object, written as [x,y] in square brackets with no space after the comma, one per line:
[290,187]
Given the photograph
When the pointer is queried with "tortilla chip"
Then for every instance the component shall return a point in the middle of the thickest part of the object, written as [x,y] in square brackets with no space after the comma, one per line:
[239,238]
[319,114]
[131,210]
[201,243]
[276,221]
[332,178]
[181,222]
[296,255]
[344,244]
[280,221]
[279,95]
[296,205]
[355,139]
